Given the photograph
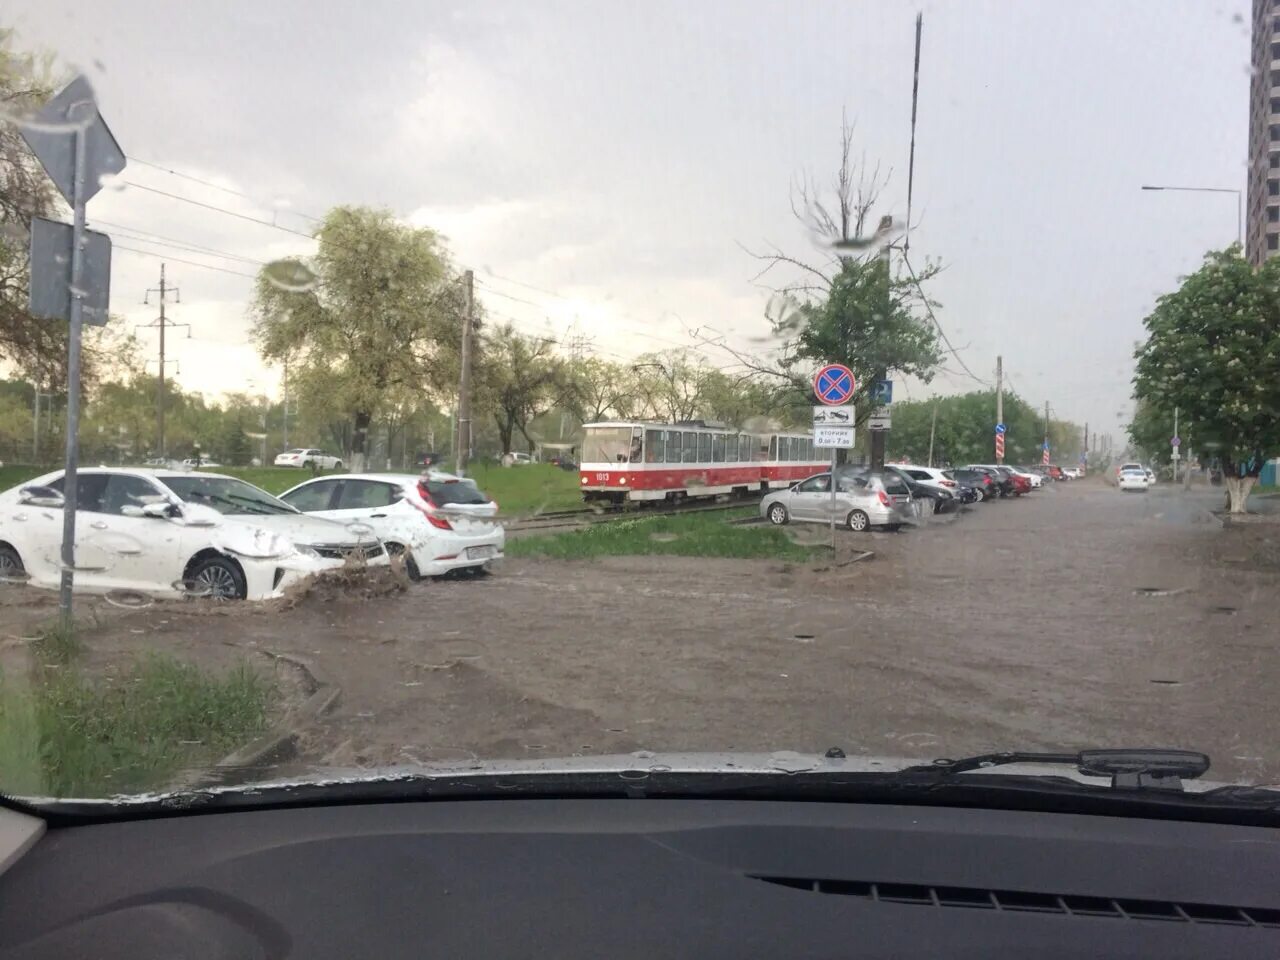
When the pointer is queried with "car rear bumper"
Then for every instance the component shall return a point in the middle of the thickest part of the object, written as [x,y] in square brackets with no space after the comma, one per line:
[454,551]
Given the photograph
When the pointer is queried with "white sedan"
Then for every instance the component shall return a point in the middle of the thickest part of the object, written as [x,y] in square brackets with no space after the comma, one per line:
[306,458]
[438,521]
[1134,478]
[169,533]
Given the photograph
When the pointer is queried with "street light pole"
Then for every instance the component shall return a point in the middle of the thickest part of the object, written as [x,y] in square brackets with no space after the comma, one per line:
[1239,203]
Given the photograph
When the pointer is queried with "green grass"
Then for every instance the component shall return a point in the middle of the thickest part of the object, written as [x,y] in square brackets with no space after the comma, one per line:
[685,535]
[65,734]
[57,645]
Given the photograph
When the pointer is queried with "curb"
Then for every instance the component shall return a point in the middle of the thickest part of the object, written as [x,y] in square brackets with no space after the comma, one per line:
[281,741]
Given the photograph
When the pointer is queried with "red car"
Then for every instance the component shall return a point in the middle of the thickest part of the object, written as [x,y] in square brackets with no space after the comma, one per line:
[1054,471]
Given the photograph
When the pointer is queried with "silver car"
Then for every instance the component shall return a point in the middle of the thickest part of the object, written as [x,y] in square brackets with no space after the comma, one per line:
[863,500]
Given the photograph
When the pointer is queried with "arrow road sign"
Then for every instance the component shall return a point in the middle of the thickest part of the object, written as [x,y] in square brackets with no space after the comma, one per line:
[51,272]
[51,137]
[834,384]
[1000,428]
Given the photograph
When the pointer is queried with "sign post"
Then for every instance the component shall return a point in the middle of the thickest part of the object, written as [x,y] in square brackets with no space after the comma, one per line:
[76,148]
[833,385]
[1000,432]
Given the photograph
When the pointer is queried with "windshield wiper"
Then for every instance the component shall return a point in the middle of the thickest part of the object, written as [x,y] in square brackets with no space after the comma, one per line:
[1129,769]
[218,498]
[236,498]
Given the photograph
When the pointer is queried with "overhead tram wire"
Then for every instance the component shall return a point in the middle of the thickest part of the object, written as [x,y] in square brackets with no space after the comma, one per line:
[189,263]
[141,237]
[942,333]
[218,186]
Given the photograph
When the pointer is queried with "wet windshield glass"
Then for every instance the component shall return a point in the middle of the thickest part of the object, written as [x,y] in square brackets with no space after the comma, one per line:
[573,319]
[225,495]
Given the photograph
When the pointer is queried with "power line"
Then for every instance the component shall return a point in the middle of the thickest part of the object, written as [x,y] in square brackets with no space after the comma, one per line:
[189,263]
[142,237]
[942,333]
[216,186]
[217,209]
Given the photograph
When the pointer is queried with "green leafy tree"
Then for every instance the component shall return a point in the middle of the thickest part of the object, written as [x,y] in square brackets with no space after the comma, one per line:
[520,379]
[1213,351]
[376,309]
[237,449]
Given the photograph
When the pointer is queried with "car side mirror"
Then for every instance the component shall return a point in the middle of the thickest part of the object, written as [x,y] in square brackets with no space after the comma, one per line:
[160,510]
[38,496]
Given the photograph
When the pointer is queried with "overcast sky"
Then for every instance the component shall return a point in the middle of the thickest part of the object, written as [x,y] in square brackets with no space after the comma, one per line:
[607,162]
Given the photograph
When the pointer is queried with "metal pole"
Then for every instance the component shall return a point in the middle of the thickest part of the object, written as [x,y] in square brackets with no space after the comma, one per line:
[73,380]
[464,383]
[933,426]
[1175,449]
[999,399]
[285,415]
[833,499]
[160,392]
[35,430]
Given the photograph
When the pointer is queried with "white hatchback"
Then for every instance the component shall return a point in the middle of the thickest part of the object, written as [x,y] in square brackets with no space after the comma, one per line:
[169,533]
[440,522]
[1134,478]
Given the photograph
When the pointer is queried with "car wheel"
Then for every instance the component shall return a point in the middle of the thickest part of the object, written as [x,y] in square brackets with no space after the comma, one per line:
[337,464]
[306,464]
[778,515]
[219,578]
[978,495]
[11,568]
[410,565]
[857,521]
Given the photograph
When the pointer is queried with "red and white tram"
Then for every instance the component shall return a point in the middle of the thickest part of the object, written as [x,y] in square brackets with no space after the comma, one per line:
[634,460]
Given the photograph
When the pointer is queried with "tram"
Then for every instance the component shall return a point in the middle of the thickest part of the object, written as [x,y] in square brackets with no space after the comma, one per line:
[630,460]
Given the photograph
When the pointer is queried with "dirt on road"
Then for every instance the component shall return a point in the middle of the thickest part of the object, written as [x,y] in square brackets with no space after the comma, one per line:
[1077,616]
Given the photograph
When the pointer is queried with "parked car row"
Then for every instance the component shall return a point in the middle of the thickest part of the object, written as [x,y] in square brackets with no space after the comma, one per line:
[898,494]
[167,533]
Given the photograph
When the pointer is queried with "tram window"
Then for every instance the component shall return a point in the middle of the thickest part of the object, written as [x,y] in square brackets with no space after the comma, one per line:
[704,448]
[784,448]
[808,449]
[653,446]
[637,440]
[730,448]
[745,444]
[717,448]
[773,448]
[673,446]
[690,447]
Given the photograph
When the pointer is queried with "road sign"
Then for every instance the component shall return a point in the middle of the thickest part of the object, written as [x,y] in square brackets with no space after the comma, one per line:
[51,272]
[1045,459]
[880,419]
[834,384]
[1176,455]
[882,393]
[1000,429]
[1177,442]
[833,437]
[833,416]
[999,446]
[50,135]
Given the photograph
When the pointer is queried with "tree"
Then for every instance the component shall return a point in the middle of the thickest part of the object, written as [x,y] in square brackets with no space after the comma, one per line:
[846,307]
[521,378]
[600,388]
[1213,352]
[237,450]
[377,308]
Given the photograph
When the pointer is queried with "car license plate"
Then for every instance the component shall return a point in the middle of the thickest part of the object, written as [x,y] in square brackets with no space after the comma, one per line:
[480,553]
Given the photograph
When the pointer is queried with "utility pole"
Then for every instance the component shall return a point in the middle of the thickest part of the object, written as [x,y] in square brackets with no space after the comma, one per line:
[162,323]
[999,398]
[284,417]
[878,436]
[933,426]
[1085,448]
[1175,449]
[464,382]
[1046,428]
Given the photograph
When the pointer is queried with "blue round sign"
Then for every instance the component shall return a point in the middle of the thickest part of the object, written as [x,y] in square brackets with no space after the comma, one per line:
[1000,428]
[834,384]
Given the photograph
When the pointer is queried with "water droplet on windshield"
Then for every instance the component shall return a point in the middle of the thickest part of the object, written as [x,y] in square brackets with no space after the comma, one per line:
[291,275]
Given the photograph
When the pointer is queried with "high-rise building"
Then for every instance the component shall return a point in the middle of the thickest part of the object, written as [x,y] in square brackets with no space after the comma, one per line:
[1262,236]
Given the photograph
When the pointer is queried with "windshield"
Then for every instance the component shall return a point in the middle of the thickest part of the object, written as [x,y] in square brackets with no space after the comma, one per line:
[225,495]
[445,492]
[649,280]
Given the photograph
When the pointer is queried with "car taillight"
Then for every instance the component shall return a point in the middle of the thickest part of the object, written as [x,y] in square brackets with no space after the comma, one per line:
[429,511]
[948,483]
[436,521]
[884,498]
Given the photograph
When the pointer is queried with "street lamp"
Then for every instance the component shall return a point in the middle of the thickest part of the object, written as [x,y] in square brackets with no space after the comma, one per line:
[1239,203]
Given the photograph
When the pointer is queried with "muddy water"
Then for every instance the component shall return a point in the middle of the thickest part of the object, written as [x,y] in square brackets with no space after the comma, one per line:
[1022,625]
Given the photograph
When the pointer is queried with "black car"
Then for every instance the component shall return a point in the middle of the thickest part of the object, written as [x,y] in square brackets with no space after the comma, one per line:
[427,459]
[1003,481]
[938,501]
[982,484]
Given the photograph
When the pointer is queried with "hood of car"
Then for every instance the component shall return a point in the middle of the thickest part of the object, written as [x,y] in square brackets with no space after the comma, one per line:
[304,529]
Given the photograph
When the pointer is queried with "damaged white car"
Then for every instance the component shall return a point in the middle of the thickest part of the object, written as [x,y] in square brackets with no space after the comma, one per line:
[168,533]
[440,522]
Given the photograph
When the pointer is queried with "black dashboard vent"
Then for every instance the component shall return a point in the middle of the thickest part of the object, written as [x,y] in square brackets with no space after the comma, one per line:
[1025,901]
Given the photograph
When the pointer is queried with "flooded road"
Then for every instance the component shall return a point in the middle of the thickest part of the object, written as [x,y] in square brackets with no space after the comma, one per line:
[1075,617]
